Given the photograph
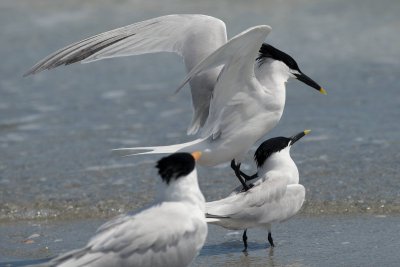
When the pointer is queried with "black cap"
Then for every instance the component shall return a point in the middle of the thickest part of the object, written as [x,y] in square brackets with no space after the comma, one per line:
[276,144]
[175,166]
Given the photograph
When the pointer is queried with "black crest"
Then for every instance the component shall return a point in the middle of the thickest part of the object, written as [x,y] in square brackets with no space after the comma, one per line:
[175,166]
[267,148]
[268,51]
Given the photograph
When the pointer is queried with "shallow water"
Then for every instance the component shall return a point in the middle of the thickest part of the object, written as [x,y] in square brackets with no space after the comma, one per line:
[57,128]
[302,241]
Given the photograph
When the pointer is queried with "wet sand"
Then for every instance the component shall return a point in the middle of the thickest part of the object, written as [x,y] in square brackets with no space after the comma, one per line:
[354,240]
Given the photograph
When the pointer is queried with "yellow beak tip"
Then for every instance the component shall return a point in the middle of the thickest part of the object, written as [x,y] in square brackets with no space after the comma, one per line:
[322,91]
[307,132]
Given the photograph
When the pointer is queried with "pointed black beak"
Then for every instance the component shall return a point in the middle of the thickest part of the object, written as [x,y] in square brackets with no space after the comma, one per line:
[307,80]
[298,136]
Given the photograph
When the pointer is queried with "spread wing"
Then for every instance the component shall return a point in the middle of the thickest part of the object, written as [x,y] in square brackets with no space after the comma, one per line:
[161,235]
[191,36]
[236,79]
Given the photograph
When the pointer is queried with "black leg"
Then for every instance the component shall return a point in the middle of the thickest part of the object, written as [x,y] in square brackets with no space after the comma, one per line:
[233,165]
[270,240]
[236,169]
[247,177]
[245,240]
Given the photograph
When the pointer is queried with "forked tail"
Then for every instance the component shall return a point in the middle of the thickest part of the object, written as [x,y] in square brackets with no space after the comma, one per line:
[147,150]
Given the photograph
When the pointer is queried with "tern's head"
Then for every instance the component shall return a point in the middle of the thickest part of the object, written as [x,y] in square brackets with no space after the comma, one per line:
[289,65]
[177,165]
[276,145]
[179,175]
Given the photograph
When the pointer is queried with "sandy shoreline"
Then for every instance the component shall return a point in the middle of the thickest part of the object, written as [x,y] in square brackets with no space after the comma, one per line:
[110,208]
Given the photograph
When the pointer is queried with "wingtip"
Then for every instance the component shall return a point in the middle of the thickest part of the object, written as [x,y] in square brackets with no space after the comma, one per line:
[268,27]
[178,89]
[265,28]
[34,70]
[26,74]
[181,86]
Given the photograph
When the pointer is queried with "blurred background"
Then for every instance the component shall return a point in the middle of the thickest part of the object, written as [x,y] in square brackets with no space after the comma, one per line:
[57,128]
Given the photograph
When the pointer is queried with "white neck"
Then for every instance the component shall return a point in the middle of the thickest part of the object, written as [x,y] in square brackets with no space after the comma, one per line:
[272,74]
[282,162]
[184,189]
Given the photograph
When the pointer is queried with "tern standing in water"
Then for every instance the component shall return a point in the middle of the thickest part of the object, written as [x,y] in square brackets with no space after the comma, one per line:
[169,233]
[274,197]
[237,86]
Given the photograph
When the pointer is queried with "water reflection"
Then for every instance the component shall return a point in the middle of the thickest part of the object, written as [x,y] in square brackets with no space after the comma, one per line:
[230,254]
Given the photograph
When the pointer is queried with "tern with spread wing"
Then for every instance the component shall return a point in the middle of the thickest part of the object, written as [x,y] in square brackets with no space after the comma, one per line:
[169,233]
[274,197]
[237,86]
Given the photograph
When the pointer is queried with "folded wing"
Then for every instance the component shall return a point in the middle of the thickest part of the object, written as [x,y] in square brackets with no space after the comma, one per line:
[160,236]
[241,204]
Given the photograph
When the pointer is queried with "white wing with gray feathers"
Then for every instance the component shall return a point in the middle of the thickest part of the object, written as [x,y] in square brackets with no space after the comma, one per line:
[240,204]
[237,57]
[191,36]
[161,236]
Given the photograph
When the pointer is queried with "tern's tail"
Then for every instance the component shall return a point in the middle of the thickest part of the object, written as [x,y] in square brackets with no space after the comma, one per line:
[210,218]
[146,150]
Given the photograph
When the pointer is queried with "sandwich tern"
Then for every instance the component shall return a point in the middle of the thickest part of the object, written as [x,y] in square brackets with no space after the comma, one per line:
[169,233]
[237,86]
[274,197]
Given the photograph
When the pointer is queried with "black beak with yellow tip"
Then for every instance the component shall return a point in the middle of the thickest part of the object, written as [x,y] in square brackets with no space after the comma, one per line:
[298,136]
[307,80]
